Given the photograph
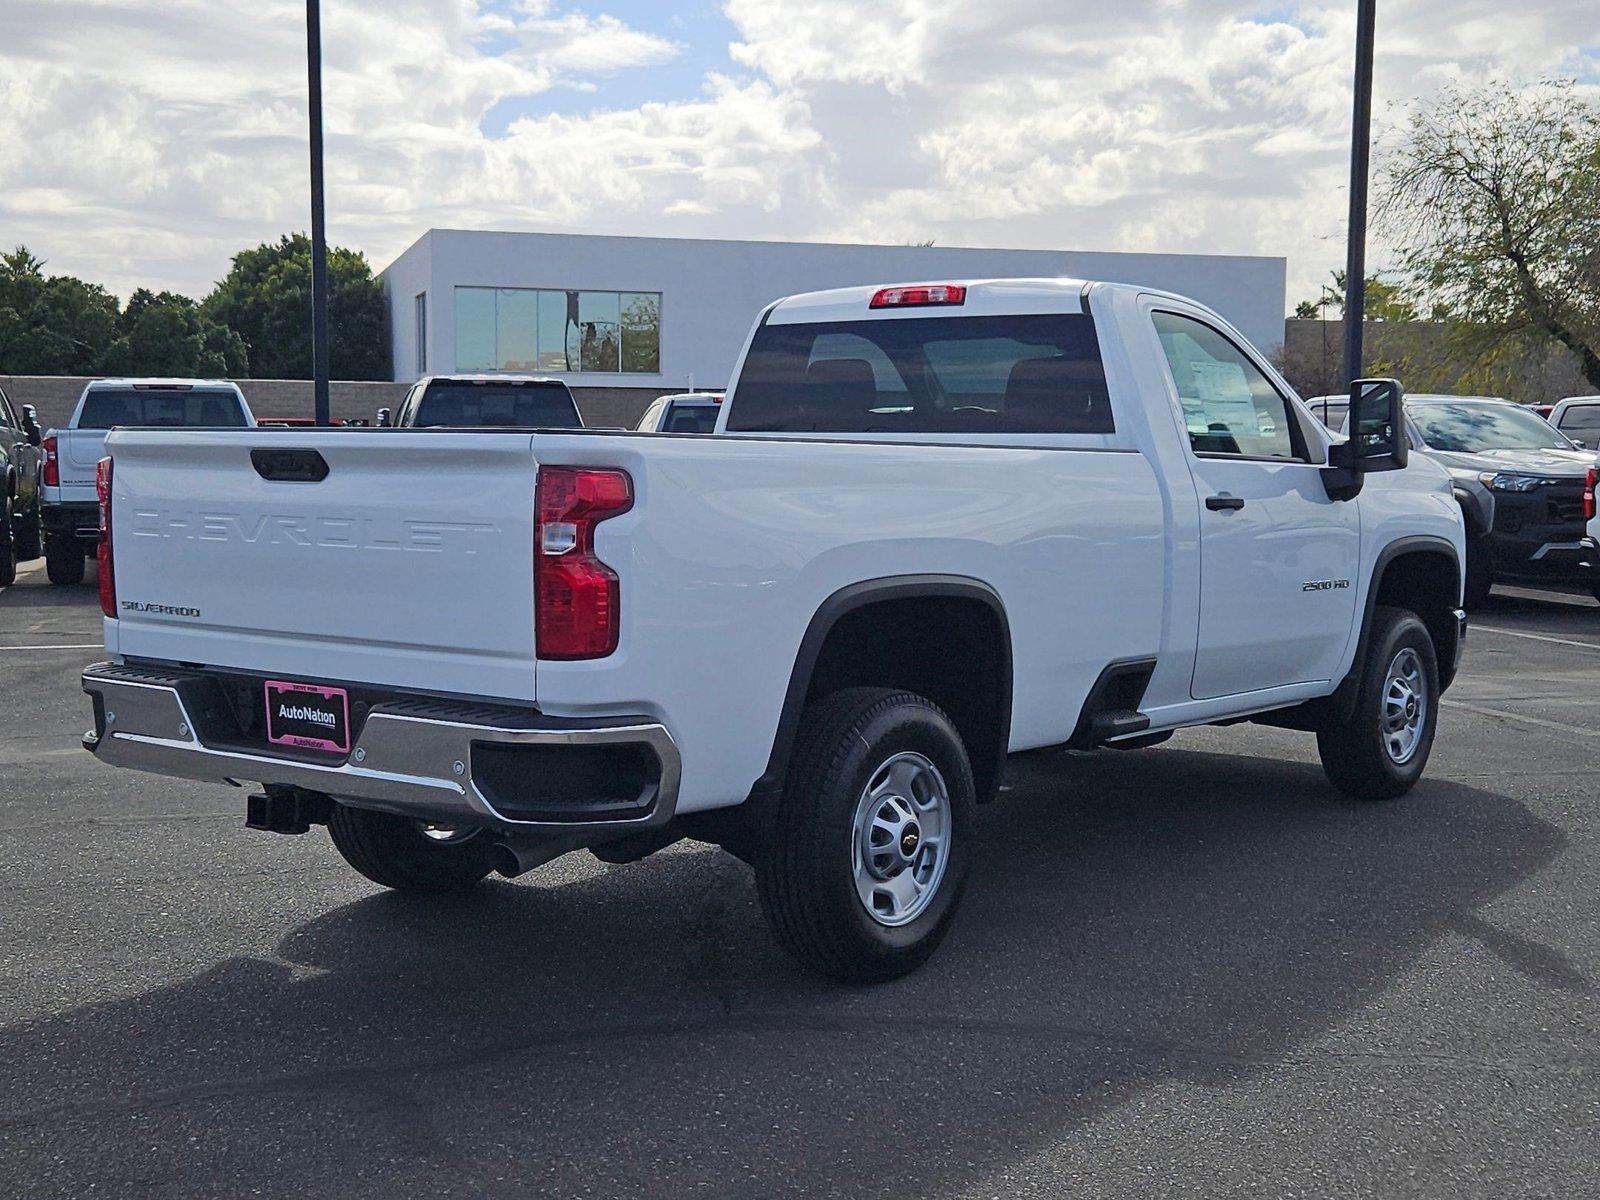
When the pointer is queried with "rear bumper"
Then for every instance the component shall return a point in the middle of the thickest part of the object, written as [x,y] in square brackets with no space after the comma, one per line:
[451,762]
[73,520]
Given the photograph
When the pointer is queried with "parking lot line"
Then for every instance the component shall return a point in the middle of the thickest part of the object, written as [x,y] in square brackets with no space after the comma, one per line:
[1536,637]
[73,646]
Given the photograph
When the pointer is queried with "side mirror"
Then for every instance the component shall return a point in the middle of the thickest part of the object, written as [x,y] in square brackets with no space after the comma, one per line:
[383,419]
[30,425]
[1377,441]
[1378,425]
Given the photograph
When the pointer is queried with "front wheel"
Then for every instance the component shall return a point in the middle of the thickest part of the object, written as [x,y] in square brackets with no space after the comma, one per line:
[410,855]
[1380,752]
[865,861]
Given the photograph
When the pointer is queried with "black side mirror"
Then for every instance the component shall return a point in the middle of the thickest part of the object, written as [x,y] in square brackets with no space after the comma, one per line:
[1377,441]
[30,424]
[1378,425]
[383,419]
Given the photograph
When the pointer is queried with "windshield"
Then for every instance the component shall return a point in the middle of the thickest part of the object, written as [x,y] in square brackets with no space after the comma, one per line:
[1472,428]
[517,405]
[106,408]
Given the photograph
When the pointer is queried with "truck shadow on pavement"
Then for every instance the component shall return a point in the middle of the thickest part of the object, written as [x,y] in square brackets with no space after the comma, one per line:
[1134,921]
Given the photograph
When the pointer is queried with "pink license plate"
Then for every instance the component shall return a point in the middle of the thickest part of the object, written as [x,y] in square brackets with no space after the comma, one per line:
[308,716]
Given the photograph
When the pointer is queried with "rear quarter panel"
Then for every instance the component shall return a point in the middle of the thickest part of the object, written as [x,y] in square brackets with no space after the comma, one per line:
[733,544]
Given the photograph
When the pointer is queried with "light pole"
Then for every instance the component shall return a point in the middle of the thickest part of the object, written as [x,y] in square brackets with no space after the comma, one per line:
[319,243]
[1355,271]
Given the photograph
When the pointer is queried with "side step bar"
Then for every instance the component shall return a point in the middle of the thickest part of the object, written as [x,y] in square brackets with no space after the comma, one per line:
[1111,709]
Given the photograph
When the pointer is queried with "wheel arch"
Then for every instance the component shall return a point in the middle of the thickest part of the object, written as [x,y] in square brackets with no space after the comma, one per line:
[843,646]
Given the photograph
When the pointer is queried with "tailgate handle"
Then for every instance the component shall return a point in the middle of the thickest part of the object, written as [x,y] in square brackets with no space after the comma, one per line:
[289,465]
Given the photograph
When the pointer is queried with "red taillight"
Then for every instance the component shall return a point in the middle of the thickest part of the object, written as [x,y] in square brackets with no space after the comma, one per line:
[920,297]
[108,578]
[50,476]
[576,601]
[1589,483]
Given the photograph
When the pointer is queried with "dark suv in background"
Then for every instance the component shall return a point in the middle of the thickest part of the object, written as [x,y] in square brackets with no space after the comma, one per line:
[1519,482]
[20,532]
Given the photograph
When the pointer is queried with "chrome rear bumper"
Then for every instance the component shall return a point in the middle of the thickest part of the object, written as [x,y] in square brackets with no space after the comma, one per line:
[416,759]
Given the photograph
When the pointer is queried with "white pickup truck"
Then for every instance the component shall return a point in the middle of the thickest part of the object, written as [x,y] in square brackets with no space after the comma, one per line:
[68,508]
[937,525]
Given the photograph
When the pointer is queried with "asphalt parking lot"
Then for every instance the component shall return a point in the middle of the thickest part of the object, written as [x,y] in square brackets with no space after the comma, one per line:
[1192,970]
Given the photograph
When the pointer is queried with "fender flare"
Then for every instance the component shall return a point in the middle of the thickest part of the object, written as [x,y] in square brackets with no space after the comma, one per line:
[1344,698]
[1477,510]
[860,595]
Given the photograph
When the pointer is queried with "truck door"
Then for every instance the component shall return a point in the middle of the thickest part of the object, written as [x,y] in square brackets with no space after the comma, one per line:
[1278,559]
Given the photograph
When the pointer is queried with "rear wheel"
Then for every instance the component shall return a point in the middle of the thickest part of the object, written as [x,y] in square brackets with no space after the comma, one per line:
[1381,751]
[63,560]
[410,855]
[8,545]
[863,867]
[29,535]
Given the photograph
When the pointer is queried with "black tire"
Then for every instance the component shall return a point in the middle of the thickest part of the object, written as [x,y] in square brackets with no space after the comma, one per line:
[30,535]
[1358,755]
[394,852]
[1480,573]
[806,874]
[8,544]
[63,560]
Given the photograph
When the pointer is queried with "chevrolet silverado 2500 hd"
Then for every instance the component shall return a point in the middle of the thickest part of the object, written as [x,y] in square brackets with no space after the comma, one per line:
[936,525]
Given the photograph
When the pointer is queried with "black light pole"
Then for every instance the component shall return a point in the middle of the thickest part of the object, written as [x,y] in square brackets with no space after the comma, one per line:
[319,242]
[1355,270]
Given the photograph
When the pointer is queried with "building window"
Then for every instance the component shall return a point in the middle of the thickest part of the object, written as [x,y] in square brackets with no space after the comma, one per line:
[422,333]
[535,329]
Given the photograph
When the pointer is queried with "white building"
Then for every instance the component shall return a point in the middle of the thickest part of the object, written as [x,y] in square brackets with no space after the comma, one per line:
[665,313]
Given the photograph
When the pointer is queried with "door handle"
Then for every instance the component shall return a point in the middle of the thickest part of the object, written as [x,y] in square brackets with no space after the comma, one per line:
[1224,502]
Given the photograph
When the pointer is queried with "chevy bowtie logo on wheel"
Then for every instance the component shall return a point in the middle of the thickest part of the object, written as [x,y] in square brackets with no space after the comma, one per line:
[1325,585]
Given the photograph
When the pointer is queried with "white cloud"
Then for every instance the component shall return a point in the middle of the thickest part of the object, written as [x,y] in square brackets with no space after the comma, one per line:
[145,143]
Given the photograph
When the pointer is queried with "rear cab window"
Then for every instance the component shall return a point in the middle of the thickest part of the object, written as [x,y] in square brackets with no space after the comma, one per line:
[158,407]
[494,403]
[690,418]
[953,374]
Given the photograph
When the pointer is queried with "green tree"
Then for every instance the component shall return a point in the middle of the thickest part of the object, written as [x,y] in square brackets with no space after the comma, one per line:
[51,325]
[1494,196]
[1385,300]
[166,334]
[266,299]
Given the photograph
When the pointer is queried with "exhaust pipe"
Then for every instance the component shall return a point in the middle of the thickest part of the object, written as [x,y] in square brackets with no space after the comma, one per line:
[515,856]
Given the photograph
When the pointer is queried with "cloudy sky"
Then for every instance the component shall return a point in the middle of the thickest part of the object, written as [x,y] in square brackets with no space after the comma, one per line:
[143,141]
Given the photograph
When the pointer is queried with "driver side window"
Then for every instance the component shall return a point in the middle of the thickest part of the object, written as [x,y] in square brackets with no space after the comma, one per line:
[1229,407]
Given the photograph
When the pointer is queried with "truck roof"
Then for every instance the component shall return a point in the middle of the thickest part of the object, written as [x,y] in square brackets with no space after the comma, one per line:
[158,381]
[985,297]
[489,377]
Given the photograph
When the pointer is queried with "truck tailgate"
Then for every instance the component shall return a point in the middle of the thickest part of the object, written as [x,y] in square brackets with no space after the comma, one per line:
[78,452]
[408,565]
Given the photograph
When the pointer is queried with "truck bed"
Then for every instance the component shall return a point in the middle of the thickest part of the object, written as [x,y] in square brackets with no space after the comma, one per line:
[409,566]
